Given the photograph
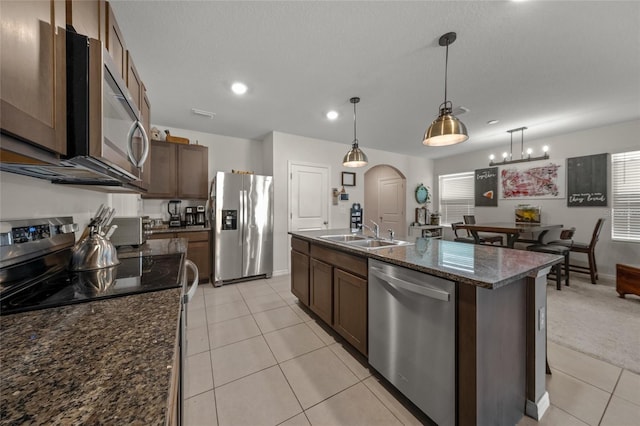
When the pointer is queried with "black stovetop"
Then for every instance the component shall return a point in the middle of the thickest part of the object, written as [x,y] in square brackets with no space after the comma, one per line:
[56,286]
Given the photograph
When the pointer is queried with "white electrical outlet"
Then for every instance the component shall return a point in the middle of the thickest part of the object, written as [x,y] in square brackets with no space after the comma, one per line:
[541,318]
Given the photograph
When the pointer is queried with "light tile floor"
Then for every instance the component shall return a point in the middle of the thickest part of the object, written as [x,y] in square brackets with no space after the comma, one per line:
[256,357]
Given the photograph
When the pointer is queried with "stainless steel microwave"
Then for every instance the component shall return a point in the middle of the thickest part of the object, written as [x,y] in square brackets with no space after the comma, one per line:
[104,128]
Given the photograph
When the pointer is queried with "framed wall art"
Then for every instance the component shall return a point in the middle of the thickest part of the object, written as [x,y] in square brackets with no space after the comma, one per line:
[587,181]
[524,181]
[486,187]
[348,179]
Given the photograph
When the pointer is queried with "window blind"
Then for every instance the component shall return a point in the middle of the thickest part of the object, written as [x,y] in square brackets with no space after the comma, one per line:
[625,171]
[456,197]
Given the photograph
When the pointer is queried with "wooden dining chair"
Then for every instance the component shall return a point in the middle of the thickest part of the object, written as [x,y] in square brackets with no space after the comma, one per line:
[458,238]
[470,219]
[589,249]
[560,247]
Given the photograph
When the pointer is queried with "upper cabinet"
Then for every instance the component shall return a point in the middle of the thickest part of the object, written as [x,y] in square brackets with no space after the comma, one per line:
[33,72]
[178,171]
[88,17]
[115,43]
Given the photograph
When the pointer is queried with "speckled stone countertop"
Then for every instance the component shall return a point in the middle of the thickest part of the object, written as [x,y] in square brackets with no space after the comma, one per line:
[155,231]
[480,265]
[155,248]
[103,362]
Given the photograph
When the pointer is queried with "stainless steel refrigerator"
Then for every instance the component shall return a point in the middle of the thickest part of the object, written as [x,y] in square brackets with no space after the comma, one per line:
[242,217]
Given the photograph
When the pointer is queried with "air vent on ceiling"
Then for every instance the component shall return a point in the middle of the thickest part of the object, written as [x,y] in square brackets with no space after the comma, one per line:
[460,110]
[203,113]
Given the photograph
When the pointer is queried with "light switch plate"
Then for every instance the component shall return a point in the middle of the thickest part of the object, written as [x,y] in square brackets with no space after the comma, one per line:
[541,318]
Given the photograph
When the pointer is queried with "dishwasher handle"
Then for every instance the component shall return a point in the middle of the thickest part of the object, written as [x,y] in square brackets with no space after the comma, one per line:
[194,284]
[407,286]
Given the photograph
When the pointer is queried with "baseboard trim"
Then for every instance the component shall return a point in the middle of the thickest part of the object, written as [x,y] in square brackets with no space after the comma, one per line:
[280,272]
[537,409]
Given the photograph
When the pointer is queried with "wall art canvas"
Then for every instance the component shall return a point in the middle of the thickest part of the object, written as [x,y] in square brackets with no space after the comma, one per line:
[486,187]
[527,181]
[587,181]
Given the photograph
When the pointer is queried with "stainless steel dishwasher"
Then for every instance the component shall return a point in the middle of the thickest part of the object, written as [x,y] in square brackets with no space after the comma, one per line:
[412,336]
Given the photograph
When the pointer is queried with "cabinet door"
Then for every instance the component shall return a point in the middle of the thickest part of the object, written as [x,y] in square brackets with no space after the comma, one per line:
[163,170]
[198,253]
[87,17]
[146,123]
[161,236]
[134,84]
[33,77]
[321,290]
[115,43]
[350,308]
[193,173]
[300,276]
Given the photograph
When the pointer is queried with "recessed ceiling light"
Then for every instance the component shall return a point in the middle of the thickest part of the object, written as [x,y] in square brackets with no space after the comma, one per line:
[492,122]
[332,115]
[239,88]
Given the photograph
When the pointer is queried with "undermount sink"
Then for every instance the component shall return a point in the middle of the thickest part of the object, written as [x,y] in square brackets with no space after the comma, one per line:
[344,238]
[373,244]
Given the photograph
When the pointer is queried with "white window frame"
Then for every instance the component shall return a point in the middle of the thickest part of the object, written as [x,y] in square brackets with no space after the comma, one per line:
[462,200]
[625,184]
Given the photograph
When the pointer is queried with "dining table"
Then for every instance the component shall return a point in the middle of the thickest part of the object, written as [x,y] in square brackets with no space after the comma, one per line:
[513,230]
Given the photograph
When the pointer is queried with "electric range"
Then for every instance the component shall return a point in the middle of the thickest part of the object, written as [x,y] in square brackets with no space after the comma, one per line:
[35,253]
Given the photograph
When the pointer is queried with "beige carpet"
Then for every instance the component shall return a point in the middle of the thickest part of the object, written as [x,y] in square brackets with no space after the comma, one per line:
[592,319]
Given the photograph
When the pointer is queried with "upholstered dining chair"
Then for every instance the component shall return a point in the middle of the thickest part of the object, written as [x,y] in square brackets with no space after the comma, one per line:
[589,249]
[470,219]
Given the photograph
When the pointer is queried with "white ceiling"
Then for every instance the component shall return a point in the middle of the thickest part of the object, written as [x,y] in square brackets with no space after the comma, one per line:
[555,67]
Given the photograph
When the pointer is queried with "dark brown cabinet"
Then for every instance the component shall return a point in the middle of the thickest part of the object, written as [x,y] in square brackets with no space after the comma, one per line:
[198,250]
[88,17]
[350,308]
[333,284]
[300,270]
[178,171]
[321,290]
[115,43]
[33,72]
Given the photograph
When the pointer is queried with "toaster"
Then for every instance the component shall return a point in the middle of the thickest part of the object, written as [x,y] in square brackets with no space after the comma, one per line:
[131,231]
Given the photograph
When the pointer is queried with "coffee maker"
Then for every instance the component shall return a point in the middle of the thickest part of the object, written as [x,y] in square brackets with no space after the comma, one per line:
[174,213]
[200,215]
[189,216]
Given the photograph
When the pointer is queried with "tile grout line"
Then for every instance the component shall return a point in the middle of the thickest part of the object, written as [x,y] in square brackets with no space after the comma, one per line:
[606,407]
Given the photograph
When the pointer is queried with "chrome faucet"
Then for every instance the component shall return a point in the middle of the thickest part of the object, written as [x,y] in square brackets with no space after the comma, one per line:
[375,229]
[391,234]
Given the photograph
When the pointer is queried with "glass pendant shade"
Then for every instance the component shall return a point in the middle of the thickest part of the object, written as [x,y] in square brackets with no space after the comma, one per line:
[355,157]
[445,130]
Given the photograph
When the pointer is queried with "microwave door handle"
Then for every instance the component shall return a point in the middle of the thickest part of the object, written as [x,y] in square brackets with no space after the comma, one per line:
[145,151]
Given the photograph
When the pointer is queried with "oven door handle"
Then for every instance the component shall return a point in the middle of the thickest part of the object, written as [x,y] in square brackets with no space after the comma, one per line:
[194,285]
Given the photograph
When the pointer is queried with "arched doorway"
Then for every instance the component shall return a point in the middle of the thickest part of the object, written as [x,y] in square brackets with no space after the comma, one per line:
[385,199]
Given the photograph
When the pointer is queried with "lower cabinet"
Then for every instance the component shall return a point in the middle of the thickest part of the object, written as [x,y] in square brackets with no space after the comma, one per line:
[321,290]
[350,308]
[333,284]
[198,251]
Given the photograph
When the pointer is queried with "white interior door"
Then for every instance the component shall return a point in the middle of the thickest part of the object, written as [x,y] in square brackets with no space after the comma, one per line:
[308,197]
[391,204]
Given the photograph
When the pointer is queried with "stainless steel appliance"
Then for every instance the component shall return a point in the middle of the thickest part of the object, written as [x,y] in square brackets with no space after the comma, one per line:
[189,216]
[242,209]
[412,336]
[174,213]
[34,271]
[131,231]
[201,218]
[106,142]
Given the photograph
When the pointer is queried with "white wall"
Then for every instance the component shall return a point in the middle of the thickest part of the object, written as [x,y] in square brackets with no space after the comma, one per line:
[23,197]
[610,139]
[287,147]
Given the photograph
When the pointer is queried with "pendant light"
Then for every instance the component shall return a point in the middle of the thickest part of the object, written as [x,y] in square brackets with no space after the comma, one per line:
[446,129]
[355,157]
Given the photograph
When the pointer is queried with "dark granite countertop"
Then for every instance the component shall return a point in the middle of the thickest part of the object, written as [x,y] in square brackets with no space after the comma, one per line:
[155,248]
[479,265]
[193,228]
[103,362]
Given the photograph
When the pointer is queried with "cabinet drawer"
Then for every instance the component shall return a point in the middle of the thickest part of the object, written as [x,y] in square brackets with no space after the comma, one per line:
[346,261]
[194,236]
[300,245]
[161,236]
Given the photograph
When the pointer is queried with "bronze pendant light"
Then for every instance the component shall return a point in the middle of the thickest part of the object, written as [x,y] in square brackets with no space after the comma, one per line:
[355,157]
[446,129]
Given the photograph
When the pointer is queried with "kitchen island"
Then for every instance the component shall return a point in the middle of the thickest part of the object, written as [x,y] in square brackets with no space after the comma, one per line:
[109,361]
[500,297]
